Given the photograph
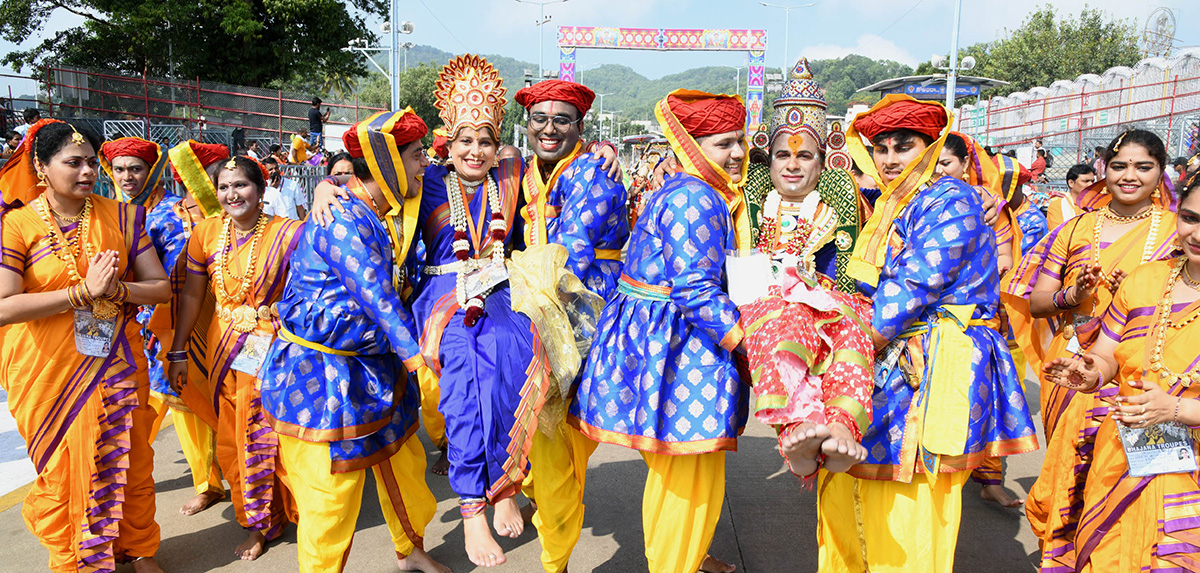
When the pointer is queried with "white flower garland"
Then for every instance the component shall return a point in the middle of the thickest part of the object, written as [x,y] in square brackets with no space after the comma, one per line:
[460,219]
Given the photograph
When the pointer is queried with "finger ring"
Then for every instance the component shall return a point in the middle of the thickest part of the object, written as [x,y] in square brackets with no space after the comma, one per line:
[1143,411]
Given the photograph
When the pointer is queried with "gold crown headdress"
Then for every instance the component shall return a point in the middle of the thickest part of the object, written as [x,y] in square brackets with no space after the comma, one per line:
[470,93]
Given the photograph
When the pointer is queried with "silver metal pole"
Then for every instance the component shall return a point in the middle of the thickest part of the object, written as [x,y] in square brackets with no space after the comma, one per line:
[952,74]
[395,62]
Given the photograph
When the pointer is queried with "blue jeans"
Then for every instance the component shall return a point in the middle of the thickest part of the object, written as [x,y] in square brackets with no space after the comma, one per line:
[316,140]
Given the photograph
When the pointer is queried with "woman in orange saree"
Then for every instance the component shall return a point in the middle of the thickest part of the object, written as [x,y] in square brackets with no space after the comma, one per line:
[245,253]
[1134,519]
[1057,295]
[74,267]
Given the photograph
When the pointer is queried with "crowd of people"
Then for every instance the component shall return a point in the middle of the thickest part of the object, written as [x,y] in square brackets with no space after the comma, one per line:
[525,310]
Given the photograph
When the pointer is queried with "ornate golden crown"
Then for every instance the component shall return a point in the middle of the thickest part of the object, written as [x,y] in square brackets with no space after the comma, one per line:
[470,93]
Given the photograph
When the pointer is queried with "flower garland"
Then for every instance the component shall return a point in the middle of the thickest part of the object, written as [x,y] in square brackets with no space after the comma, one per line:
[798,247]
[69,251]
[460,218]
[243,317]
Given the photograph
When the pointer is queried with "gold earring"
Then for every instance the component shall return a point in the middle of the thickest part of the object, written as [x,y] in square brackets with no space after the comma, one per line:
[1156,194]
[41,175]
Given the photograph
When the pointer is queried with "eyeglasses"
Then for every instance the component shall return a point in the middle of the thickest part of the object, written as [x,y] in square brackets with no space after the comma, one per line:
[539,120]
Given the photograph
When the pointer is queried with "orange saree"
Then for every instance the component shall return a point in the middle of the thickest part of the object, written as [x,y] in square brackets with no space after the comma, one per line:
[247,448]
[1070,420]
[85,420]
[1151,523]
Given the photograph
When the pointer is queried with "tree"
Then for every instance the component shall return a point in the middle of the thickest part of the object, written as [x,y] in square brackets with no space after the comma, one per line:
[416,91]
[233,41]
[1046,48]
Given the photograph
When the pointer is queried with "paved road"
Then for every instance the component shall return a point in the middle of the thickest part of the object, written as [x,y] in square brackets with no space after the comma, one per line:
[768,523]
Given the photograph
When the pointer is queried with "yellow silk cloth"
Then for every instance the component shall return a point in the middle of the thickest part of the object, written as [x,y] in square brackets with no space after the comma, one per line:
[947,398]
[888,526]
[681,505]
[565,314]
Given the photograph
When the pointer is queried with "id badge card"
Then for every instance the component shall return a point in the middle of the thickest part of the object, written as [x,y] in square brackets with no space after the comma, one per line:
[749,275]
[1164,448]
[93,337]
[250,358]
[1073,345]
[483,279]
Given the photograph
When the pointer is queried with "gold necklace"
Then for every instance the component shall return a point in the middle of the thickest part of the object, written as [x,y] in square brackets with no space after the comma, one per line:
[1108,212]
[1164,323]
[243,318]
[70,251]
[1188,280]
[1147,249]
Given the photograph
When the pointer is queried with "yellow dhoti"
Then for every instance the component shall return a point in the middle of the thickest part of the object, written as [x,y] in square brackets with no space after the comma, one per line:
[908,527]
[198,442]
[561,466]
[435,422]
[680,509]
[329,503]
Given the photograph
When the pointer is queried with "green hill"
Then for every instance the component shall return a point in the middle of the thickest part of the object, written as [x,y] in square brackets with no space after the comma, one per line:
[634,95]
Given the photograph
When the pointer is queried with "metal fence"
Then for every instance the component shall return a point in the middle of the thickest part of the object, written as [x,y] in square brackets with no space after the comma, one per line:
[172,110]
[1072,118]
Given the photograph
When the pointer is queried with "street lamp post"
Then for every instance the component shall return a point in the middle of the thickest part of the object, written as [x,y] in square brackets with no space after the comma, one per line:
[542,19]
[737,80]
[406,46]
[600,117]
[787,21]
[952,74]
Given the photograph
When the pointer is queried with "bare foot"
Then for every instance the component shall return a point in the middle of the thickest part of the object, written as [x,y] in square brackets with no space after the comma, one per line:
[442,466]
[713,565]
[998,494]
[419,560]
[146,565]
[201,502]
[252,547]
[482,549]
[800,447]
[508,521]
[840,449]
[527,512]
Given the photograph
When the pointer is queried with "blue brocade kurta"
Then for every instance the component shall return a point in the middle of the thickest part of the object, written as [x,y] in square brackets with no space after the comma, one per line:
[657,377]
[586,212]
[942,254]
[340,296]
[169,235]
[491,380]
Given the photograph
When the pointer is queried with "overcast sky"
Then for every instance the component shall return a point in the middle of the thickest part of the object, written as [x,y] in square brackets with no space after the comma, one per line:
[908,31]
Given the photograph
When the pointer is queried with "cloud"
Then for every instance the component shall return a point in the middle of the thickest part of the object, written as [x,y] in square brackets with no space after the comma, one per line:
[868,45]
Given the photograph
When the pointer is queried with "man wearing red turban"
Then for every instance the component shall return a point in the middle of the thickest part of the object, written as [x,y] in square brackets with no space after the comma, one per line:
[568,199]
[948,394]
[661,376]
[343,315]
[134,166]
[193,165]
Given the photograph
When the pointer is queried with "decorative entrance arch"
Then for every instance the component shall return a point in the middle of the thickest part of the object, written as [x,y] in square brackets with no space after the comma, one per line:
[753,42]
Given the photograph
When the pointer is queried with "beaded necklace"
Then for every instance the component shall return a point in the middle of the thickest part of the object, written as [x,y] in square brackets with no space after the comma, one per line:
[460,218]
[69,251]
[243,318]
[1147,249]
[1164,323]
[799,245]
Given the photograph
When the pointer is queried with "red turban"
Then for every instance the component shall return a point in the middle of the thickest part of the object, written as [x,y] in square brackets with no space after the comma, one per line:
[926,118]
[575,94]
[441,143]
[207,153]
[409,128]
[718,114]
[131,147]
